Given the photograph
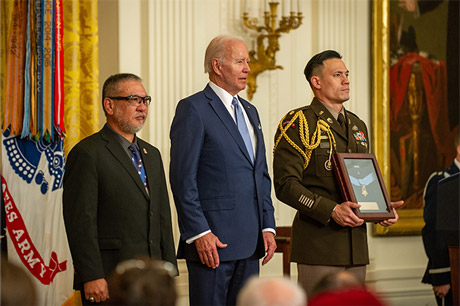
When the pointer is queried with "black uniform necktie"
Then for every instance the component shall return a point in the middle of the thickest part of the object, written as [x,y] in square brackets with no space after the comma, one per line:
[341,120]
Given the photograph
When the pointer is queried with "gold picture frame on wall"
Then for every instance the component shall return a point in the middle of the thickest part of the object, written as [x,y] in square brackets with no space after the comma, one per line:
[410,220]
[414,107]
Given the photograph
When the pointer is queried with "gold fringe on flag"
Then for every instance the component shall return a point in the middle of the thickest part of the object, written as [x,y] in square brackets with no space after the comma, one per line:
[6,8]
[81,71]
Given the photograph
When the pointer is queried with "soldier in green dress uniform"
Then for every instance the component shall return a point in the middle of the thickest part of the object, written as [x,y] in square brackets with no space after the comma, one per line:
[326,235]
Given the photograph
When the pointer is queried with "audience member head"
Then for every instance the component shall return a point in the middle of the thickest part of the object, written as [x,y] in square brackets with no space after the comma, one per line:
[342,288]
[271,292]
[348,297]
[17,288]
[341,280]
[142,282]
[315,65]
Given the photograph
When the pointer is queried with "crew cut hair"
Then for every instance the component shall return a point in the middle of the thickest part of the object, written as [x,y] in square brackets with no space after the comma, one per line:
[315,64]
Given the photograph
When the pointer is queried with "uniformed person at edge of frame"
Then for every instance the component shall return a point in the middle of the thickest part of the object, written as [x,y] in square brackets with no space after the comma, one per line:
[326,235]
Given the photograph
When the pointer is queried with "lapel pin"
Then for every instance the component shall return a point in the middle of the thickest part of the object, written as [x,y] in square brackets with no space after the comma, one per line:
[144,150]
[259,127]
[329,120]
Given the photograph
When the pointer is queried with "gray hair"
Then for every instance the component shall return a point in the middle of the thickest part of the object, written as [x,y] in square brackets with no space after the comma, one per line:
[273,291]
[111,85]
[217,48]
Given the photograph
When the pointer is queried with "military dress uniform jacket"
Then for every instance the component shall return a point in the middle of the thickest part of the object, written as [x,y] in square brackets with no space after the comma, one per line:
[316,238]
[109,216]
[438,269]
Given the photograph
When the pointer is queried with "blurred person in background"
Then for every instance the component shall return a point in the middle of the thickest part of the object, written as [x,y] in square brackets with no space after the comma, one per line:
[143,282]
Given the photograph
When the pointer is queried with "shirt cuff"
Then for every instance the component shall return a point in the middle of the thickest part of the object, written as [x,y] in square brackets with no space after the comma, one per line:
[268,229]
[191,240]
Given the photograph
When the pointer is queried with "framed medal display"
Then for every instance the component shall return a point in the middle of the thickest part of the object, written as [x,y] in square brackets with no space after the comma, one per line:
[361,182]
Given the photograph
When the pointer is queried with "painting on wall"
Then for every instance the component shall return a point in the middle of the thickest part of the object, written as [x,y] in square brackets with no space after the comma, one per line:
[415,99]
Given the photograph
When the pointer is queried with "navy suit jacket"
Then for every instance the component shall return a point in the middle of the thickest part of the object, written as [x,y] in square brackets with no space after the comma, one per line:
[215,185]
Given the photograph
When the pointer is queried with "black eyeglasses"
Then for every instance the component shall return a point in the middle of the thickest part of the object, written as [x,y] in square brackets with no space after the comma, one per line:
[134,100]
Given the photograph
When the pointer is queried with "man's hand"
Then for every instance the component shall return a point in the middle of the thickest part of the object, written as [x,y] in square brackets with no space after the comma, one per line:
[396,218]
[270,246]
[206,247]
[442,290]
[343,214]
[97,289]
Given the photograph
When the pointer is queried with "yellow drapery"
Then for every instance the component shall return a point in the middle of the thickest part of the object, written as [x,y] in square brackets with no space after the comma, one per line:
[81,71]
[6,10]
[81,78]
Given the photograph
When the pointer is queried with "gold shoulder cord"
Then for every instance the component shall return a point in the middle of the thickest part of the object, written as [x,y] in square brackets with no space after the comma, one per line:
[309,145]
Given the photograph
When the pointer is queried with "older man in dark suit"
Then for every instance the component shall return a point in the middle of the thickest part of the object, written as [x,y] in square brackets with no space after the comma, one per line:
[220,180]
[116,204]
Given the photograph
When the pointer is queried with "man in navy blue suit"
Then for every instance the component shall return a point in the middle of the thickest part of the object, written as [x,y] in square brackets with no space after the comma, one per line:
[220,180]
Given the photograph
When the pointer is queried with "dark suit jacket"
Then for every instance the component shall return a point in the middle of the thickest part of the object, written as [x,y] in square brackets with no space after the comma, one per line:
[316,238]
[109,216]
[214,183]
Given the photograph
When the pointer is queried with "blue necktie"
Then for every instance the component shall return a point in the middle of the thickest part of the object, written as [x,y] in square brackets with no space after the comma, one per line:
[243,128]
[137,162]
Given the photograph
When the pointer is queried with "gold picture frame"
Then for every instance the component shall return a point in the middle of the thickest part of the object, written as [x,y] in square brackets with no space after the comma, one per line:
[410,220]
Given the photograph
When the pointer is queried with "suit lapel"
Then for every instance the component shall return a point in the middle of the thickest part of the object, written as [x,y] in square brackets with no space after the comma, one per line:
[223,114]
[117,151]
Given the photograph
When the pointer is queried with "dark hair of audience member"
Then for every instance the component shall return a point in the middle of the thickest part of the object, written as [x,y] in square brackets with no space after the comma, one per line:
[342,288]
[142,282]
[336,281]
[346,297]
[17,288]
